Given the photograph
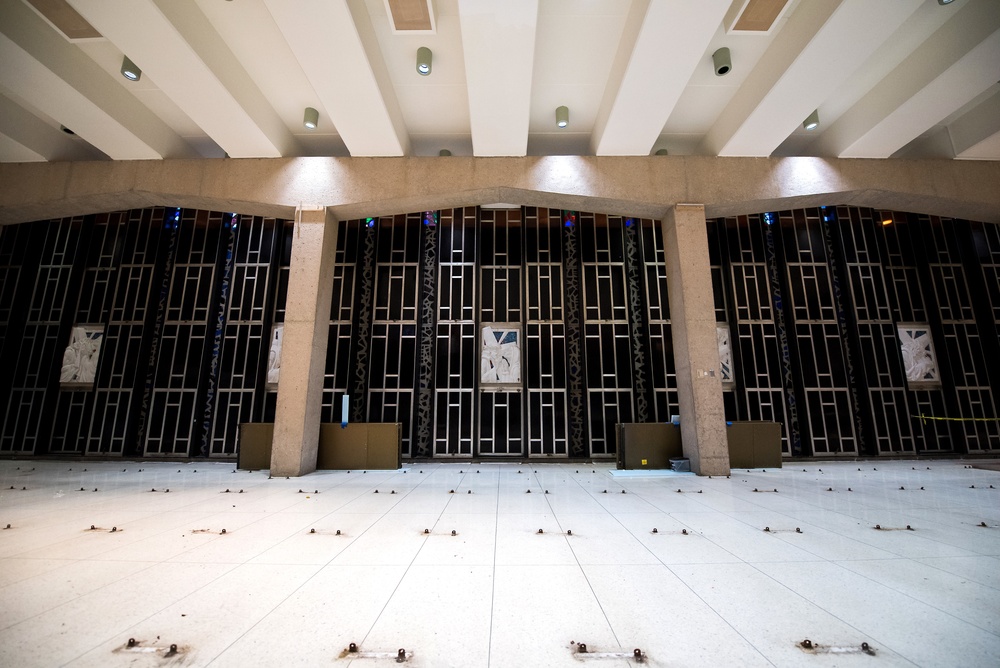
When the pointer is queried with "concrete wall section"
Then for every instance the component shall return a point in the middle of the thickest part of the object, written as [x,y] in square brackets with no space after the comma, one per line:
[635,186]
[303,354]
[696,348]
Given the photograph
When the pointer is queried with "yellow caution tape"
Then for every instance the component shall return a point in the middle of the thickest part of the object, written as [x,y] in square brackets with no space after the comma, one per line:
[951,419]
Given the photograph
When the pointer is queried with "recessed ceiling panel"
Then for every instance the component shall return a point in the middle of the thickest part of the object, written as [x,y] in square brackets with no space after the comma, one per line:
[410,15]
[69,22]
[822,45]
[758,15]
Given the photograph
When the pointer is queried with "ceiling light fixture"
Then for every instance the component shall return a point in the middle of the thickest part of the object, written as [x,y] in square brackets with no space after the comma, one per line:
[812,121]
[310,119]
[562,116]
[129,69]
[424,57]
[723,61]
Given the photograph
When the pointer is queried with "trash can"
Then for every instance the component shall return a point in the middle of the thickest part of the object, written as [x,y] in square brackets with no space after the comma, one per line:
[681,465]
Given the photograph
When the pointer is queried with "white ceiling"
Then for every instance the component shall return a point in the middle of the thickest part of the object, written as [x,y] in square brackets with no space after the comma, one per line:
[890,78]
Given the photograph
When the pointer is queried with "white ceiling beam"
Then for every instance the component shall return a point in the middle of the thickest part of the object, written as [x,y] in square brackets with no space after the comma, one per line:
[43,140]
[335,43]
[12,150]
[498,41]
[954,65]
[33,34]
[979,125]
[821,45]
[29,80]
[662,44]
[174,44]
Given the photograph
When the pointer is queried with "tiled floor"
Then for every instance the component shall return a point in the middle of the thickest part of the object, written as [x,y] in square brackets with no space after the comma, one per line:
[513,587]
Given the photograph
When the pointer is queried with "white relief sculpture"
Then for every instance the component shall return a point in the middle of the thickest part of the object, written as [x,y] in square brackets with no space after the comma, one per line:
[501,357]
[274,355]
[917,348]
[79,365]
[725,353]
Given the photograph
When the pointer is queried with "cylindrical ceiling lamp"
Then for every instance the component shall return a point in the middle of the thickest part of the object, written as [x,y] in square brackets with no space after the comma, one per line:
[562,116]
[812,121]
[310,119]
[723,61]
[129,69]
[424,57]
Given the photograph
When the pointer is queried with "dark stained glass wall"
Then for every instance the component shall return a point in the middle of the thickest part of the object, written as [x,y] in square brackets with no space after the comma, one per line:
[862,332]
[180,303]
[584,295]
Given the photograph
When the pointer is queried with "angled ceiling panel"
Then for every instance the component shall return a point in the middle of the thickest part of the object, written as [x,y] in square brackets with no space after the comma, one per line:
[664,42]
[498,41]
[174,44]
[13,151]
[976,129]
[43,140]
[67,62]
[819,48]
[336,46]
[953,66]
[31,81]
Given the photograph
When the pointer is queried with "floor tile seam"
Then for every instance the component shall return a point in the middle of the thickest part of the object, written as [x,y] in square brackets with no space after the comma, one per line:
[134,624]
[722,618]
[876,642]
[150,537]
[921,601]
[380,517]
[854,518]
[493,589]
[409,566]
[72,538]
[583,572]
[650,551]
[71,562]
[810,551]
[63,601]
[318,569]
[935,541]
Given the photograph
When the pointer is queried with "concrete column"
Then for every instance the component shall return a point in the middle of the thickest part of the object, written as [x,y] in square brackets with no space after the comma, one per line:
[696,348]
[303,348]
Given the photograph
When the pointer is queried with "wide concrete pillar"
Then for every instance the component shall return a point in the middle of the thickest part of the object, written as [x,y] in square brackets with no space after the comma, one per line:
[303,348]
[696,347]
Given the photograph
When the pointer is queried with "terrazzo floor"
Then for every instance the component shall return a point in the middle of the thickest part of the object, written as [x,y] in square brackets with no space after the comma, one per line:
[499,564]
